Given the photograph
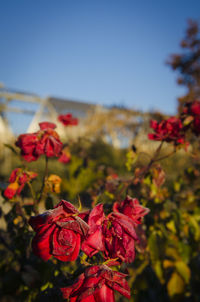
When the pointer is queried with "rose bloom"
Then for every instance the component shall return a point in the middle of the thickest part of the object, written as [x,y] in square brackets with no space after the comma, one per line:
[170,130]
[131,208]
[95,239]
[28,145]
[46,141]
[97,284]
[65,156]
[49,141]
[59,232]
[68,119]
[18,179]
[114,235]
[120,237]
[192,109]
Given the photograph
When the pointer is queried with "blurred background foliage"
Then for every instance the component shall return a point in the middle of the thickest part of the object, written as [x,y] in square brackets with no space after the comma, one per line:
[167,267]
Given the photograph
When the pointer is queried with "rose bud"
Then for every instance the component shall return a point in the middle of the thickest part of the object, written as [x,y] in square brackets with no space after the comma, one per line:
[97,283]
[59,232]
[131,208]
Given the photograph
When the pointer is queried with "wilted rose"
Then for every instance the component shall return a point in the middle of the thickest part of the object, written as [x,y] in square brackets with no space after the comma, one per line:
[191,116]
[119,237]
[131,208]
[97,283]
[68,119]
[18,179]
[170,130]
[46,141]
[95,240]
[59,232]
[113,235]
[65,156]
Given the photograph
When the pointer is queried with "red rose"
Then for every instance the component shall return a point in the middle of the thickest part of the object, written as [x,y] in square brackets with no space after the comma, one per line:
[49,141]
[46,141]
[18,179]
[59,232]
[170,130]
[68,119]
[28,145]
[97,283]
[95,240]
[65,156]
[114,235]
[191,116]
[119,237]
[131,208]
[11,190]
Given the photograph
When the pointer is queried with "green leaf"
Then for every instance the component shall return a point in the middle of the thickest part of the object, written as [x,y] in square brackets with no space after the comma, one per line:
[11,148]
[195,227]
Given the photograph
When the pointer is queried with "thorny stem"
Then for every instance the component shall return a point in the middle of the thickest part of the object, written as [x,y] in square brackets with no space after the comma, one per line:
[165,156]
[145,171]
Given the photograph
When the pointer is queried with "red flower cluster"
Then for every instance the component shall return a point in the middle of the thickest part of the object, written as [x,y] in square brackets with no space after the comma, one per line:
[45,141]
[59,232]
[18,179]
[170,130]
[192,110]
[68,119]
[97,283]
[115,234]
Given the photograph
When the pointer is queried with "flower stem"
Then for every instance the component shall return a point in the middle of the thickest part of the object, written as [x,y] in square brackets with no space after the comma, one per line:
[42,193]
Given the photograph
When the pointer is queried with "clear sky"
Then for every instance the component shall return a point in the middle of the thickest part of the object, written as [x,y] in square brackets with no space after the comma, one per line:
[111,52]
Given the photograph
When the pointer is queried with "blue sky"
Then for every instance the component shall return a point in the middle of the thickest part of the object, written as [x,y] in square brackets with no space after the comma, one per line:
[111,52]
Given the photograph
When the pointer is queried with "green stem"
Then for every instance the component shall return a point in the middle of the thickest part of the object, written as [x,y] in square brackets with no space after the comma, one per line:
[42,193]
[34,198]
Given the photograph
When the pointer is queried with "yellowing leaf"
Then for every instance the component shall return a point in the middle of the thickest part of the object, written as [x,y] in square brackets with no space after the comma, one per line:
[183,270]
[177,186]
[175,285]
[167,263]
[159,271]
[171,226]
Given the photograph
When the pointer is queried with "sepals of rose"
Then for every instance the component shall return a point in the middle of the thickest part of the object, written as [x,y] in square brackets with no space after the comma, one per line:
[59,232]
